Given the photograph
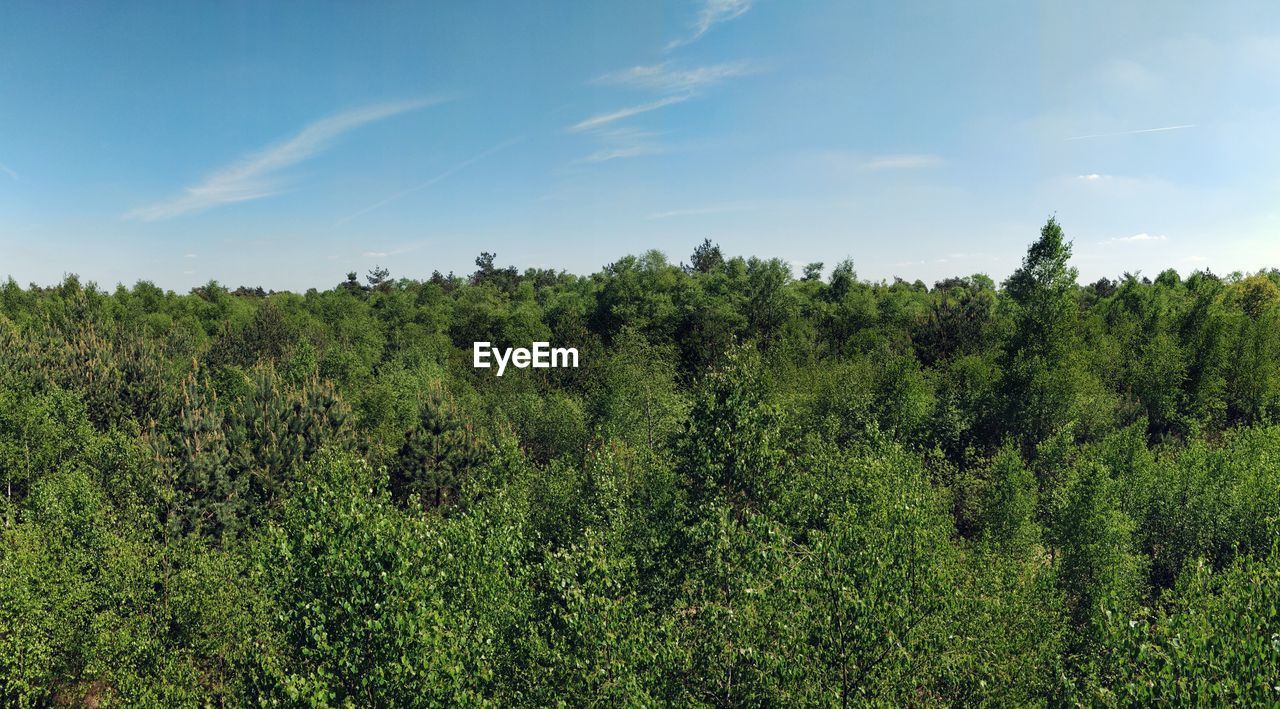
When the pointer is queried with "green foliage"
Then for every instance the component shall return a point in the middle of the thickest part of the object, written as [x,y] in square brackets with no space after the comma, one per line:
[1008,515]
[755,490]
[1215,641]
[1097,570]
[230,461]
[730,449]
[438,451]
[596,641]
[875,587]
[377,607]
[1209,502]
[636,399]
[1042,376]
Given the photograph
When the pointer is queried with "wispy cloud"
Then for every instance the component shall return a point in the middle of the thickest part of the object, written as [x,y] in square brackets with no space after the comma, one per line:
[663,77]
[257,175]
[904,161]
[712,13]
[672,83]
[623,142]
[630,151]
[604,119]
[447,173]
[404,249]
[1104,184]
[1140,238]
[710,209]
[1131,132]
[5,169]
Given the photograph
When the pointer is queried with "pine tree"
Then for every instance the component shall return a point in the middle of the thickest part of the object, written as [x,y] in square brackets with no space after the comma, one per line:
[207,497]
[437,452]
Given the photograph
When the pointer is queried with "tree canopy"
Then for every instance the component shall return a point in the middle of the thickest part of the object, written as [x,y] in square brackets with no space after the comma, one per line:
[759,488]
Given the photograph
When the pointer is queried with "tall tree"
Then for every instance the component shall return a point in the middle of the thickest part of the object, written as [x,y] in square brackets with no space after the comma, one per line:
[1040,360]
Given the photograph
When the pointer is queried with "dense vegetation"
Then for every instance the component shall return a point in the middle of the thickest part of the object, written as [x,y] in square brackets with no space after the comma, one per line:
[757,489]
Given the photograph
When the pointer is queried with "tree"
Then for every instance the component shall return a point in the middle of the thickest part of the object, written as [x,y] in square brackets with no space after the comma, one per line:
[706,258]
[1043,381]
[437,453]
[504,279]
[382,608]
[1253,384]
[377,277]
[636,398]
[1213,642]
[730,449]
[352,284]
[1009,522]
[1096,567]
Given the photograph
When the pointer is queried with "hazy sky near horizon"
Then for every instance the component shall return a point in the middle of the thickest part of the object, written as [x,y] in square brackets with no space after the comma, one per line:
[284,144]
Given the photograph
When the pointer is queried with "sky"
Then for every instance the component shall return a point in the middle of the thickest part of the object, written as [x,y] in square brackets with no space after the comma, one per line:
[285,144]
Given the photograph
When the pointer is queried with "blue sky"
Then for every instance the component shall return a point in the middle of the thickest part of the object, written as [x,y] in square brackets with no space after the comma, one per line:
[284,144]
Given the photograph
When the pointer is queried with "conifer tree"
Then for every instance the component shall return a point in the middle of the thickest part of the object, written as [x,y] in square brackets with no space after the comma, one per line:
[437,452]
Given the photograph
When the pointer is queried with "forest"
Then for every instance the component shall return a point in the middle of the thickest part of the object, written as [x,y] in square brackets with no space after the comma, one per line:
[758,488]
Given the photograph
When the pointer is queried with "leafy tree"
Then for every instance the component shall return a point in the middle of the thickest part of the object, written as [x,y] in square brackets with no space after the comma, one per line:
[1096,567]
[875,585]
[730,449]
[1009,522]
[1039,361]
[1180,652]
[636,399]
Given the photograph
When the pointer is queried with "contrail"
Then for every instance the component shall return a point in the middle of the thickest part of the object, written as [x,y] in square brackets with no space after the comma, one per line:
[5,169]
[1131,132]
[432,181]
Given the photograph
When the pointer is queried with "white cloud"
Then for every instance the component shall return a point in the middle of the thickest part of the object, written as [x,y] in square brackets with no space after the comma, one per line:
[256,175]
[1136,238]
[188,255]
[1101,184]
[664,78]
[674,85]
[406,248]
[713,12]
[905,161]
[607,118]
[5,169]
